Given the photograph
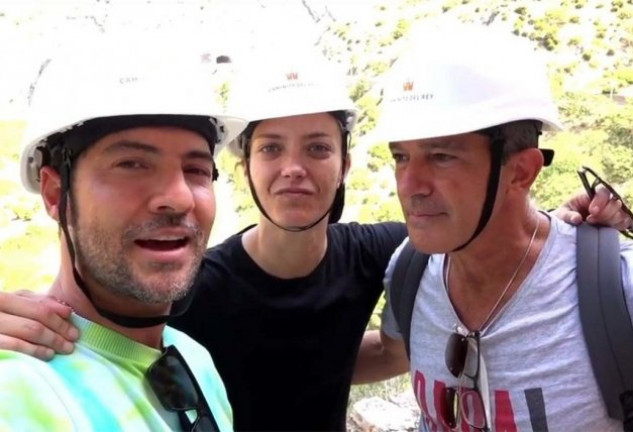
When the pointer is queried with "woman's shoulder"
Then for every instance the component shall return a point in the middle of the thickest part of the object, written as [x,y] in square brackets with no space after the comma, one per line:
[369,230]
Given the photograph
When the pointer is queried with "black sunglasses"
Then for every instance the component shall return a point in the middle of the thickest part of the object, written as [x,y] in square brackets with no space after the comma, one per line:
[177,390]
[463,403]
[590,186]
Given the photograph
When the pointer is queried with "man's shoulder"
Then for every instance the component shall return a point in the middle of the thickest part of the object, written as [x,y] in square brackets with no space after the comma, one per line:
[22,364]
[32,395]
[25,375]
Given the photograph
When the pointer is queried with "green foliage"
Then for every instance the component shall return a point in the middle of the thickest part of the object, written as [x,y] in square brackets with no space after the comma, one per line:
[30,253]
[360,88]
[600,29]
[402,27]
[625,13]
[388,210]
[232,169]
[521,10]
[624,75]
[618,162]
[518,26]
[369,111]
[546,28]
[379,156]
[617,4]
[342,30]
[450,4]
[378,67]
[361,179]
[558,181]
[575,41]
[222,93]
[378,208]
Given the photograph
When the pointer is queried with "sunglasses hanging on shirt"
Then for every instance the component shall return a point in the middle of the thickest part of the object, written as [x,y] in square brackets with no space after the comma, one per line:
[178,391]
[465,403]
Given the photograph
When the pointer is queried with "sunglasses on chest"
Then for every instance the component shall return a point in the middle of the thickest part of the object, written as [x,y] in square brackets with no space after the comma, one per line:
[467,403]
[178,391]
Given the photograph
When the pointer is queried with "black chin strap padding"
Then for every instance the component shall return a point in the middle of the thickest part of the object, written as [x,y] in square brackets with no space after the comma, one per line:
[548,156]
[496,156]
[336,211]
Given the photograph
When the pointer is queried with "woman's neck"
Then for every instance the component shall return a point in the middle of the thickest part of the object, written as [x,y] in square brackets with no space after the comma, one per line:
[286,254]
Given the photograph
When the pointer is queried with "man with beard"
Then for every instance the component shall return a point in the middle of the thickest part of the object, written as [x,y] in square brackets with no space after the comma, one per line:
[123,156]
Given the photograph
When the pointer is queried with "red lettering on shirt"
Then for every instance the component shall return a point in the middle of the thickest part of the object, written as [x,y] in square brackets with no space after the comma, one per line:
[504,414]
[419,387]
[503,421]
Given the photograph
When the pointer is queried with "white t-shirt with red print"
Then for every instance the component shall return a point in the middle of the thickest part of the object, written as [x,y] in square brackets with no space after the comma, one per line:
[539,372]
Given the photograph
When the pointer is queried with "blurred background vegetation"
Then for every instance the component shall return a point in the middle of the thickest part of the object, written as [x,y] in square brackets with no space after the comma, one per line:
[589,47]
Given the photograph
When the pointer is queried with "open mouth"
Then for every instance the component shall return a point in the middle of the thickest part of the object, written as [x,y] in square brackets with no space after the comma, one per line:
[163,244]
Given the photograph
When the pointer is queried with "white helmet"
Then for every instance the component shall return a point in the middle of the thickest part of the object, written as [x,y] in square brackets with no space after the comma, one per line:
[289,84]
[118,81]
[464,78]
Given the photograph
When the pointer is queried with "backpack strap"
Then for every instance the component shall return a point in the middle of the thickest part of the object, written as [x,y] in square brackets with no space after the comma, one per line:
[605,318]
[405,281]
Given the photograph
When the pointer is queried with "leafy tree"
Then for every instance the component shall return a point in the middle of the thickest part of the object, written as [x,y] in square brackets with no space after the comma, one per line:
[379,157]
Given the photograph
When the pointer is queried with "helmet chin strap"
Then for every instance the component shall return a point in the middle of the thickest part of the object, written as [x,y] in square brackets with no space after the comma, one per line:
[496,156]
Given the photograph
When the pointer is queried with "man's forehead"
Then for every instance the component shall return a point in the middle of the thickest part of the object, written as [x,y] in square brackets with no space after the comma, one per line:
[154,140]
[446,142]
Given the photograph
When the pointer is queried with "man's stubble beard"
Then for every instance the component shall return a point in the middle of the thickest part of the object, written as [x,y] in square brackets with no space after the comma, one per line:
[102,256]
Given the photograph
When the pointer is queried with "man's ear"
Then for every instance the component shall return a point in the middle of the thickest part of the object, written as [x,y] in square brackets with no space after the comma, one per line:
[51,191]
[527,166]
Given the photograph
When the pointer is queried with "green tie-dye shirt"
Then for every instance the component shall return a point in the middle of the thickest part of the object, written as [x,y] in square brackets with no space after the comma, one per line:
[100,386]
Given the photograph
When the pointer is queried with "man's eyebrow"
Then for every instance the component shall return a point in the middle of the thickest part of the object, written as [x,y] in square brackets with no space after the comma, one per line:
[137,145]
[451,144]
[199,154]
[434,144]
[131,145]
[310,135]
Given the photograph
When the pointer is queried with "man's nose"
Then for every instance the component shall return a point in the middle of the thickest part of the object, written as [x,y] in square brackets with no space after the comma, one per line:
[415,179]
[172,194]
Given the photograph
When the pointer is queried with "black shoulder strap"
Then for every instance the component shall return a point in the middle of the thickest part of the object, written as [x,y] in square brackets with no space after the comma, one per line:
[405,281]
[605,318]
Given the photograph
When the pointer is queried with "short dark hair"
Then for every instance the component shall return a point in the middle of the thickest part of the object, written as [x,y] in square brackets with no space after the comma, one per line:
[516,136]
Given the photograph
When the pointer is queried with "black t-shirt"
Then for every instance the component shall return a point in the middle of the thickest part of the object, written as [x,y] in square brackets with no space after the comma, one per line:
[286,348]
